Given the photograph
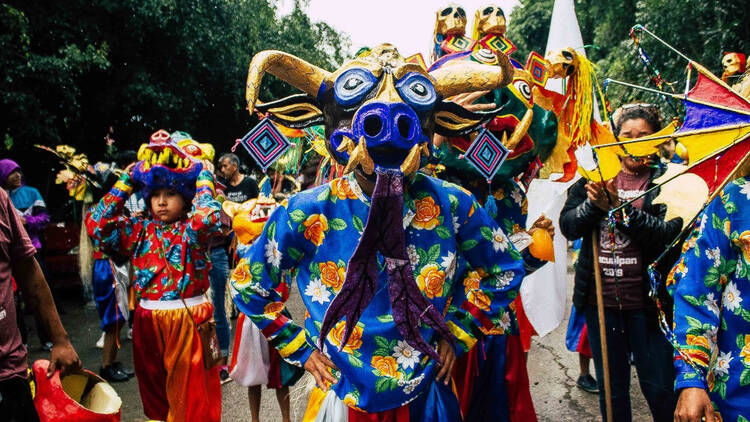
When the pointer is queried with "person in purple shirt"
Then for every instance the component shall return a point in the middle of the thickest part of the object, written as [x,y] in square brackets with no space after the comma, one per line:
[17,262]
[32,212]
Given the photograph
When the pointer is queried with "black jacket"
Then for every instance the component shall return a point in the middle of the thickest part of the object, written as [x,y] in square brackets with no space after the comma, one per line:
[647,228]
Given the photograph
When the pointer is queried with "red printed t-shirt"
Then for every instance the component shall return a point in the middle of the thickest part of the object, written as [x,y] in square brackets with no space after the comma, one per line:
[623,274]
[14,245]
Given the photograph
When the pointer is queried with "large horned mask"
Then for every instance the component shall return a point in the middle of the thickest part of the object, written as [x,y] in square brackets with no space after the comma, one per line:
[378,110]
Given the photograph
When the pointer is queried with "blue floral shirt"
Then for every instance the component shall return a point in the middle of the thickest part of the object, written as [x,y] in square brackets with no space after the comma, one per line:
[712,313]
[463,263]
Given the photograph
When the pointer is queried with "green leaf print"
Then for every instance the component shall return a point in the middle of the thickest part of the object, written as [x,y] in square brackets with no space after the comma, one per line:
[692,300]
[465,246]
[271,230]
[294,253]
[337,224]
[745,377]
[297,216]
[740,340]
[454,203]
[323,195]
[486,233]
[443,232]
[385,318]
[256,269]
[357,224]
[355,361]
[434,253]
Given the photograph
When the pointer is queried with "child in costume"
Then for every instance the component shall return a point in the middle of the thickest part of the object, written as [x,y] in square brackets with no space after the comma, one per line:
[170,276]
[389,262]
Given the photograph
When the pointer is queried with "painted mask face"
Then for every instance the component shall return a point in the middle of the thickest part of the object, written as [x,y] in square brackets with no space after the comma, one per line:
[562,63]
[732,63]
[450,20]
[163,164]
[249,217]
[378,110]
[490,20]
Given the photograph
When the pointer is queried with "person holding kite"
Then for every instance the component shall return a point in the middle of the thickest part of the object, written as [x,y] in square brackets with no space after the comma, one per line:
[623,253]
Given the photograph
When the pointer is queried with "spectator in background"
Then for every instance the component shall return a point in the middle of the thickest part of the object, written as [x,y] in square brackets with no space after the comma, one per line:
[17,260]
[239,187]
[630,315]
[32,212]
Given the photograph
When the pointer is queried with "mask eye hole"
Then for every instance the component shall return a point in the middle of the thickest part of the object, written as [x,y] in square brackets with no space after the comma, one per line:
[417,91]
[461,12]
[523,88]
[353,85]
[487,11]
[447,11]
[500,12]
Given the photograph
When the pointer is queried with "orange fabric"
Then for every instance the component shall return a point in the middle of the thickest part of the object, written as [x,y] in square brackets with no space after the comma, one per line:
[172,381]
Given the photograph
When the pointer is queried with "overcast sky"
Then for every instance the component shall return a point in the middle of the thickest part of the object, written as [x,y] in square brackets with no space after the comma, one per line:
[407,24]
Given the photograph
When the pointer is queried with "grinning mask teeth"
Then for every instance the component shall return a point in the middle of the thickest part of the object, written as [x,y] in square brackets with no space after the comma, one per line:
[163,164]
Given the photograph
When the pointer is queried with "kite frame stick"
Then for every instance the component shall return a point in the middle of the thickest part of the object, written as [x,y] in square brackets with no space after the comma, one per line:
[602,327]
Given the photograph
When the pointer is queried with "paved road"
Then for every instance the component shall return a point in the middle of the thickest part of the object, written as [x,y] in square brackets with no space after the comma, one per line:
[552,372]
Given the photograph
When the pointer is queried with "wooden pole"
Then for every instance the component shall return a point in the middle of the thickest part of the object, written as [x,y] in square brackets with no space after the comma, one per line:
[602,326]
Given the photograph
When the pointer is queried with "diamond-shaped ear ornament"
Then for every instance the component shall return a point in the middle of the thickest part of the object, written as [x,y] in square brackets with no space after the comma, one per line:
[265,143]
[486,153]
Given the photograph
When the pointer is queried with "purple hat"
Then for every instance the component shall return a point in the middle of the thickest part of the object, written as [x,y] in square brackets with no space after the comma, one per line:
[7,166]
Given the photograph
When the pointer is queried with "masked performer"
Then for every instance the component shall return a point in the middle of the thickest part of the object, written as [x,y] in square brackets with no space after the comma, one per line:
[711,319]
[390,263]
[171,265]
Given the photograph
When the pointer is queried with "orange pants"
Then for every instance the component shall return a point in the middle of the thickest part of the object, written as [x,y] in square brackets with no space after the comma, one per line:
[172,381]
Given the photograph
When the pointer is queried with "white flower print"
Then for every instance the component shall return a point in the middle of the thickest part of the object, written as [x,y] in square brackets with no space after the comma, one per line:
[516,195]
[273,254]
[731,298]
[722,364]
[746,189]
[405,355]
[449,263]
[711,304]
[714,254]
[411,384]
[505,321]
[504,279]
[411,250]
[318,291]
[704,221]
[456,225]
[499,240]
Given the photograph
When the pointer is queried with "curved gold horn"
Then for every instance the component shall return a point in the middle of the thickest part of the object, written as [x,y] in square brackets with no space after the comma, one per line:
[299,73]
[465,76]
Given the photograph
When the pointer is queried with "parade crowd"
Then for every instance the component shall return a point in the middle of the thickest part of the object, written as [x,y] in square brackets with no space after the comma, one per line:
[409,262]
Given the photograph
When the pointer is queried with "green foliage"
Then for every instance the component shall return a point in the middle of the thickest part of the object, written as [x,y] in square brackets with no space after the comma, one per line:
[700,30]
[73,69]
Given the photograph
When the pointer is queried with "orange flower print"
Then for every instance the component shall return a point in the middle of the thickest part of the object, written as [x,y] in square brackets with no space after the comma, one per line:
[316,227]
[341,189]
[745,352]
[273,309]
[241,276]
[337,335]
[427,214]
[743,241]
[332,275]
[698,349]
[386,365]
[430,280]
[479,299]
[471,282]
